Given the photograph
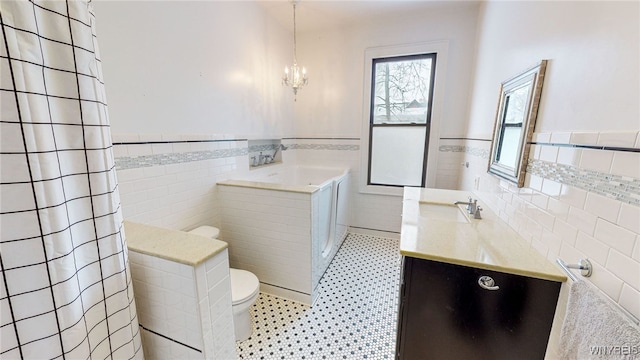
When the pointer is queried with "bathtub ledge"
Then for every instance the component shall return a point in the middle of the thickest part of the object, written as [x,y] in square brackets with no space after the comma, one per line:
[304,189]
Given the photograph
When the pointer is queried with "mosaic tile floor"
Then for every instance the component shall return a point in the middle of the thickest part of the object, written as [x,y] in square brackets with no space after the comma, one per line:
[354,317]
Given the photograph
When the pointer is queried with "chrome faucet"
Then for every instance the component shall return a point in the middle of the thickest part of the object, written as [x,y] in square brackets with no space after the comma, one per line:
[263,159]
[281,147]
[476,215]
[472,205]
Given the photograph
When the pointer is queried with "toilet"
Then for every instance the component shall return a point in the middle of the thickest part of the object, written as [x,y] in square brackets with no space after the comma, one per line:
[245,289]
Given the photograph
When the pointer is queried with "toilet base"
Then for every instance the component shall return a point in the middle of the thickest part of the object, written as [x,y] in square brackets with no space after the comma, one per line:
[242,325]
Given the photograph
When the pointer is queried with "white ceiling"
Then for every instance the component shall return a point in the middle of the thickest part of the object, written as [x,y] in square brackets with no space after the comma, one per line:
[321,14]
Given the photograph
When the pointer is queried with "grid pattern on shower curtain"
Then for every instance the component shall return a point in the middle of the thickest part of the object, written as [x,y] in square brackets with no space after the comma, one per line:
[65,287]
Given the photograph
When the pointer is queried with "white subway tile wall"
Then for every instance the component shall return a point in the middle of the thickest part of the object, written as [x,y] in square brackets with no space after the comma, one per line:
[617,139]
[277,247]
[184,312]
[166,295]
[170,180]
[450,163]
[157,347]
[577,203]
[214,297]
[560,204]
[173,184]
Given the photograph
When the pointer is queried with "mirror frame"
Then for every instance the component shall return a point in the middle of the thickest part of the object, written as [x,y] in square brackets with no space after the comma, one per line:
[535,77]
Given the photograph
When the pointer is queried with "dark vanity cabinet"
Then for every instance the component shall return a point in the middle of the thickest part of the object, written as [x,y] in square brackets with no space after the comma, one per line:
[456,312]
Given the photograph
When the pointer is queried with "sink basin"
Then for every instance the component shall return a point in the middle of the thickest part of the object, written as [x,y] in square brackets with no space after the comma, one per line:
[443,212]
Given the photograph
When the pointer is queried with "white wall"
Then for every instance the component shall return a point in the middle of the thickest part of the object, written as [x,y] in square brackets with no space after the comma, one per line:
[590,97]
[182,77]
[331,105]
[181,67]
[215,70]
[592,78]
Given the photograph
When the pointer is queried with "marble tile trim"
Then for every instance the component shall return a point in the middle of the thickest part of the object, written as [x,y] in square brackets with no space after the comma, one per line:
[474,151]
[622,188]
[266,147]
[324,147]
[133,162]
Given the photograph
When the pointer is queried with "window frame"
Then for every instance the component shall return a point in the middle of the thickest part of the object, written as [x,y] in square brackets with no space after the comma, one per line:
[440,49]
[427,124]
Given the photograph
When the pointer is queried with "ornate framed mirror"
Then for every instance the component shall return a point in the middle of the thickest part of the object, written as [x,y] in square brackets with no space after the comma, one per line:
[515,122]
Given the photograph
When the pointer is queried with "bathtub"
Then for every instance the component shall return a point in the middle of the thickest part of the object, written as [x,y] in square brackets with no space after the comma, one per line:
[286,226]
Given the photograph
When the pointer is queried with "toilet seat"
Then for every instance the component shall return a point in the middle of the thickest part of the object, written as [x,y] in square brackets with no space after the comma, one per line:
[244,285]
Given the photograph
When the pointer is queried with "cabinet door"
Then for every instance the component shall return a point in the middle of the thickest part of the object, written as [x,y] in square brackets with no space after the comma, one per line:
[446,314]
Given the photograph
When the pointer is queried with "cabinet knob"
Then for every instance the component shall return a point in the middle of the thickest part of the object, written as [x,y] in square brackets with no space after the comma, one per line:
[487,283]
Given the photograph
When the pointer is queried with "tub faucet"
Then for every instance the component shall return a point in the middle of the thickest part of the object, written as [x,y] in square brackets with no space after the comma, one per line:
[281,147]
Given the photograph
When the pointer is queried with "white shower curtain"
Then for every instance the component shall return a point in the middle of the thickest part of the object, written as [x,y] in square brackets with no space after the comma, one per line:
[65,289]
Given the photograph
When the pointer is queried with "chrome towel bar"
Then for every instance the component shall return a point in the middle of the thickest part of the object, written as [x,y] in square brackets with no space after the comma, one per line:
[584,265]
[586,269]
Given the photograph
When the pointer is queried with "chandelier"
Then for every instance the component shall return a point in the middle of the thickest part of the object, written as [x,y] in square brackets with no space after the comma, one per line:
[294,75]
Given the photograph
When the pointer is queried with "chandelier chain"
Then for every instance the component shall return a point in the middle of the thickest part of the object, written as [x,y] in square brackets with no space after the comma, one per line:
[295,55]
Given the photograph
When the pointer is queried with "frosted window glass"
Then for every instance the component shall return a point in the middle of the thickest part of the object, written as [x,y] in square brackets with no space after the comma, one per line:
[397,155]
[510,145]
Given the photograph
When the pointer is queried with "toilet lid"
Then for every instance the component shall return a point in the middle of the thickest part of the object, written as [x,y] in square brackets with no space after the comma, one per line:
[244,285]
[206,231]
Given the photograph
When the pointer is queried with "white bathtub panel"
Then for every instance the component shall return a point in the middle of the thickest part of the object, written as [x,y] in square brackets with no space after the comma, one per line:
[278,271]
[288,270]
[272,233]
[261,203]
[296,244]
[273,214]
[279,238]
[296,229]
[271,229]
[235,231]
[270,260]
[249,248]
[269,203]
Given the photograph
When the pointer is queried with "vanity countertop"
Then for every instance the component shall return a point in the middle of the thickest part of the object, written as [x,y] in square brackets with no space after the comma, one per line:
[174,245]
[489,243]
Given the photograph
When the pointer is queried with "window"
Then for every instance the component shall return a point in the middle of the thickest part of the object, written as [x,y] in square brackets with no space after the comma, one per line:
[400,116]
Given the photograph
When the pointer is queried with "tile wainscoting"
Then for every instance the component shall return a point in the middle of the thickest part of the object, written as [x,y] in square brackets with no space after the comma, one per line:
[581,199]
[170,180]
